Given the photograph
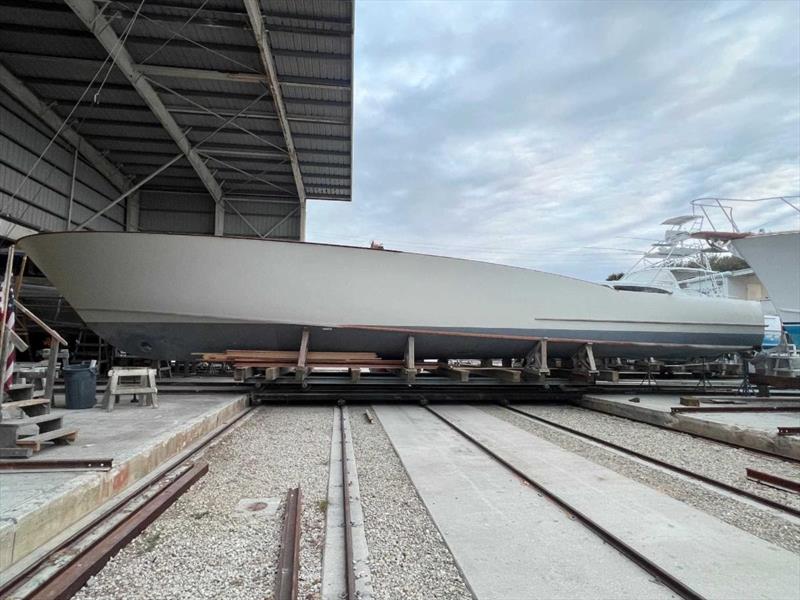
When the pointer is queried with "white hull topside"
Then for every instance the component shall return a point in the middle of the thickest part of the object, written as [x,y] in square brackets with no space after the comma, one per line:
[167,295]
[775,259]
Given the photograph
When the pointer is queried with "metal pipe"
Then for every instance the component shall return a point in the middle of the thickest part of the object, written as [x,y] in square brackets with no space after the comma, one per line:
[279,223]
[72,190]
[119,199]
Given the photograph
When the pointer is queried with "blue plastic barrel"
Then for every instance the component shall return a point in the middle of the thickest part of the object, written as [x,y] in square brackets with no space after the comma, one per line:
[80,384]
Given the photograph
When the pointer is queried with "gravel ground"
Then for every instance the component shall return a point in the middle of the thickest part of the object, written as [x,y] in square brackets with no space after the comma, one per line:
[408,558]
[205,546]
[722,463]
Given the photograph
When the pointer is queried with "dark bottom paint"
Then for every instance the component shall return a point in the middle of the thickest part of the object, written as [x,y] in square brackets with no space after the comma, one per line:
[180,340]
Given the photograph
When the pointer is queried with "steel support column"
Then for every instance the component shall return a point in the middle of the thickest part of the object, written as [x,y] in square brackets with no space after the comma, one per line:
[271,74]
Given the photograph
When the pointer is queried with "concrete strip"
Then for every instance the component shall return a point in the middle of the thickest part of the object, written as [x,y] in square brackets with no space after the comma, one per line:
[56,501]
[707,426]
[509,542]
[333,556]
[714,558]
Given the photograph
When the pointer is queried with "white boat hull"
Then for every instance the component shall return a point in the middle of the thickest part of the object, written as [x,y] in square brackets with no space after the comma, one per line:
[775,258]
[166,296]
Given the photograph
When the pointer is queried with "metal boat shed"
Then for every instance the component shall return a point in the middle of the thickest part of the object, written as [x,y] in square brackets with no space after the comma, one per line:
[202,116]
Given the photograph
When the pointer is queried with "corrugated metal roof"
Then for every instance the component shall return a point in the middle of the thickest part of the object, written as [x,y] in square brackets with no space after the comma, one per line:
[45,45]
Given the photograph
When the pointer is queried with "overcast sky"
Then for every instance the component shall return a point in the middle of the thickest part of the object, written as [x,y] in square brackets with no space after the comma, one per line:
[547,135]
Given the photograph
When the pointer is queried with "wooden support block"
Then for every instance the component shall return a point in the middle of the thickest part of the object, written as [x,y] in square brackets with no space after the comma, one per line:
[409,375]
[460,375]
[272,373]
[301,373]
[241,374]
[508,375]
[608,375]
[690,401]
[355,375]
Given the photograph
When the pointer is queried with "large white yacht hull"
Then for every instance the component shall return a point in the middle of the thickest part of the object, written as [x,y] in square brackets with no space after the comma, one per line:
[775,258]
[167,296]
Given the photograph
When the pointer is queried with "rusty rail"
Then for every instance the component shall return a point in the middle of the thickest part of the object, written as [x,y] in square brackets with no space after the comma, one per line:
[71,579]
[788,430]
[661,574]
[67,546]
[733,409]
[289,559]
[59,464]
[788,485]
[651,459]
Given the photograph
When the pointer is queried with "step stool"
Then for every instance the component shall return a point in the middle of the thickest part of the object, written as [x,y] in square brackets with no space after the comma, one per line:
[145,386]
[32,412]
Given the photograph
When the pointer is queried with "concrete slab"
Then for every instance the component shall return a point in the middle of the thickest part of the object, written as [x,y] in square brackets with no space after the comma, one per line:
[35,507]
[750,430]
[508,541]
[715,559]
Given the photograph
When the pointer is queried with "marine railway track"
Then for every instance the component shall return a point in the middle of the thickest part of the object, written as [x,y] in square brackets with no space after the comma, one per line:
[653,461]
[68,566]
[655,570]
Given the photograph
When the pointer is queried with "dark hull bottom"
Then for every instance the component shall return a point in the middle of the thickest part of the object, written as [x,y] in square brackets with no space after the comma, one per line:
[178,341]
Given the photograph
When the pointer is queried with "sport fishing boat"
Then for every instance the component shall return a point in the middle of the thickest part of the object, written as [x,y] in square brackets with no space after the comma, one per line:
[167,296]
[775,257]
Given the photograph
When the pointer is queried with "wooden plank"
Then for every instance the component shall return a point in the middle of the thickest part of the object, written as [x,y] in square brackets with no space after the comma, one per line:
[35,441]
[50,331]
[50,376]
[301,357]
[21,403]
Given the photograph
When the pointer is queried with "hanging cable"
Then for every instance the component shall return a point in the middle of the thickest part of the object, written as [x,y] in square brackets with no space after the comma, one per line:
[66,121]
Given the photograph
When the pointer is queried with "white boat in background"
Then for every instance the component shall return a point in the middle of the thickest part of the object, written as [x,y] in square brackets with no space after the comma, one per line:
[167,296]
[775,257]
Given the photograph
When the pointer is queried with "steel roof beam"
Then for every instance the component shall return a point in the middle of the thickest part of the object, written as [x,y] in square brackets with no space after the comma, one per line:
[269,14]
[96,23]
[177,43]
[256,78]
[253,8]
[27,98]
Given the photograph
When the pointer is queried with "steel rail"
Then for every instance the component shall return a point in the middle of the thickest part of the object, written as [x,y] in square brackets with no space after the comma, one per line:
[656,461]
[72,578]
[286,586]
[783,483]
[350,577]
[58,464]
[756,451]
[661,574]
[18,580]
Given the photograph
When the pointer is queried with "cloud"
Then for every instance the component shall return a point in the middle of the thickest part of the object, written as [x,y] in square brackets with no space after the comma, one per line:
[545,134]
